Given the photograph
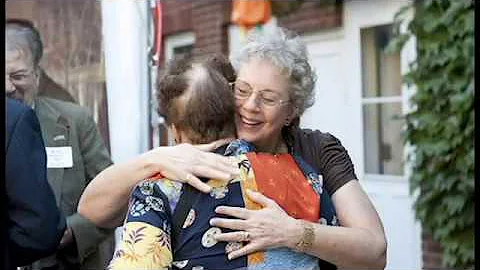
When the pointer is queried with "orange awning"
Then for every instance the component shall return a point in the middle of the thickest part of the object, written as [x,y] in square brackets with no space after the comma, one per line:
[249,13]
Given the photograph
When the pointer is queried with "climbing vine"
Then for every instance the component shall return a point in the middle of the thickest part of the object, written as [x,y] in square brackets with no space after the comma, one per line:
[440,126]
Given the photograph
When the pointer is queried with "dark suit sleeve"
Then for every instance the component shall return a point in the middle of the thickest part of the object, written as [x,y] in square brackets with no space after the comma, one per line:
[35,225]
[95,159]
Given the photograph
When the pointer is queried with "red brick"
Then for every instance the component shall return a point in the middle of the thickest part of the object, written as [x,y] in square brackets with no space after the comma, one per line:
[312,17]
[432,252]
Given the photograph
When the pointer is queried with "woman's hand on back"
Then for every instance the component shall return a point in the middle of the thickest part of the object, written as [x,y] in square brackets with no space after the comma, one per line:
[186,163]
[111,188]
[262,229]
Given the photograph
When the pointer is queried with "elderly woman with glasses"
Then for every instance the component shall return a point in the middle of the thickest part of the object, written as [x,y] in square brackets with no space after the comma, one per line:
[273,87]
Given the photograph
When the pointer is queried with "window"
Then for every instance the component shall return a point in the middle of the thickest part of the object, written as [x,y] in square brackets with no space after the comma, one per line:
[185,50]
[381,103]
[179,44]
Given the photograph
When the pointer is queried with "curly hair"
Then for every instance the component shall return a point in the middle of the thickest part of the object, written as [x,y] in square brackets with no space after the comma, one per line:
[207,108]
[286,50]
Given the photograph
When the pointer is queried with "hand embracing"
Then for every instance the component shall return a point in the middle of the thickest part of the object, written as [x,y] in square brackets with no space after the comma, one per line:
[269,227]
[186,163]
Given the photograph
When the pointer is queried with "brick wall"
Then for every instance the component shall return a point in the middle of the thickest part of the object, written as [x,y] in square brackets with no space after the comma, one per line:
[432,253]
[176,16]
[209,21]
[313,16]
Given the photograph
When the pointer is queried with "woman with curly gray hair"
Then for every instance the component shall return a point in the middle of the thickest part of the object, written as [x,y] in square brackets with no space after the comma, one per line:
[274,86]
[280,56]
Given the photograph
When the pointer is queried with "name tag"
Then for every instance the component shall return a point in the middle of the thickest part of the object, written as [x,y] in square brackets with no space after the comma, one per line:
[59,157]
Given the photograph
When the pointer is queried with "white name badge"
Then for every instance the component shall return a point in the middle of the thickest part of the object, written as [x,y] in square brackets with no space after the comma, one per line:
[59,157]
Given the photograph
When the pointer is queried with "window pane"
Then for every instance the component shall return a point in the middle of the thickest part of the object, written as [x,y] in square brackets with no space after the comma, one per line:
[382,138]
[185,50]
[381,74]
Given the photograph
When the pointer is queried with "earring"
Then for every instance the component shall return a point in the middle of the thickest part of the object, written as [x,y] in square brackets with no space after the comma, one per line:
[287,122]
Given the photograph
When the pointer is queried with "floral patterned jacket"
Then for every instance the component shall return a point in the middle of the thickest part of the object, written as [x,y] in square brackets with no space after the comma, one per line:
[147,232]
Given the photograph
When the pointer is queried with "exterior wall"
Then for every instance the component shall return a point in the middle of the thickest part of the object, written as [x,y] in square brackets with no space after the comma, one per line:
[432,252]
[71,34]
[176,16]
[209,21]
[313,16]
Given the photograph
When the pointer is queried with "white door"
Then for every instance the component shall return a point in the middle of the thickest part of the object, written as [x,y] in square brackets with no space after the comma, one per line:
[358,96]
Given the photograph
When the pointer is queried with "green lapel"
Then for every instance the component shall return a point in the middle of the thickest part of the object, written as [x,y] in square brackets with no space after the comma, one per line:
[56,133]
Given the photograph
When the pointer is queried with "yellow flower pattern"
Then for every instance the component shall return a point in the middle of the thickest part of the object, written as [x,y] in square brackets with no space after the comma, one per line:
[143,246]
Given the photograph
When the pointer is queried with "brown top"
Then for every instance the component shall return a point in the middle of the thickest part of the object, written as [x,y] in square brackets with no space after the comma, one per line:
[327,155]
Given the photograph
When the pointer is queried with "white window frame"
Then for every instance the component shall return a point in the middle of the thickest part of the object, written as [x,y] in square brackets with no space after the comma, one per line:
[178,40]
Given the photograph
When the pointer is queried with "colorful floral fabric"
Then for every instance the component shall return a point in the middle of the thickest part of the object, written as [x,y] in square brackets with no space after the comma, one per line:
[146,241]
[143,246]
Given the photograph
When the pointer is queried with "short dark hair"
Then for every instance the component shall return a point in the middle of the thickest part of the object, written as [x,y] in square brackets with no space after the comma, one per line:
[28,31]
[208,110]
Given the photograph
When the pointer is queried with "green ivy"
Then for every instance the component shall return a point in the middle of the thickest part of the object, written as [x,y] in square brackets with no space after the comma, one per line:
[441,125]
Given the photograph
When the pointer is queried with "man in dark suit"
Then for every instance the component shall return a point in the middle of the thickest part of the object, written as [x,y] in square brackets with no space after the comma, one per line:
[34,224]
[75,150]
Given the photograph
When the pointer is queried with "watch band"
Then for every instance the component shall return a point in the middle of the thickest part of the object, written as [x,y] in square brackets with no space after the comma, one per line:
[308,236]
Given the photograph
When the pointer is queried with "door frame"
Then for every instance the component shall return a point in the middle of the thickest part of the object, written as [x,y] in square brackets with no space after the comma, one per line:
[358,15]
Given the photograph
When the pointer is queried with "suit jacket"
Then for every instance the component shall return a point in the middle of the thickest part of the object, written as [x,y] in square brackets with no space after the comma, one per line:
[49,88]
[65,124]
[34,224]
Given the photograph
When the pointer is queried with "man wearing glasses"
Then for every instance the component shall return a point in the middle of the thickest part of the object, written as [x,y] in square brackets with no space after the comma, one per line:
[75,150]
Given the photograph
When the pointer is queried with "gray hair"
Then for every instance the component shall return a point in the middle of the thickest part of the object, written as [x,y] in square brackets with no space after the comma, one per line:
[21,34]
[286,50]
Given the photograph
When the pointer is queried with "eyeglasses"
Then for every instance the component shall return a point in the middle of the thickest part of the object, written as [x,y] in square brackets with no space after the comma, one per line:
[242,91]
[19,77]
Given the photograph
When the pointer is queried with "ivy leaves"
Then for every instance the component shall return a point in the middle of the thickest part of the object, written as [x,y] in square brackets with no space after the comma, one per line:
[441,125]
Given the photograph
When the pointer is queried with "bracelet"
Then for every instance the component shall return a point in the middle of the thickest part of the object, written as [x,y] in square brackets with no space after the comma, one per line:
[308,237]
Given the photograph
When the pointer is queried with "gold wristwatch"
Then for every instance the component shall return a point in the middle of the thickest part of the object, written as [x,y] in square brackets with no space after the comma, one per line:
[308,236]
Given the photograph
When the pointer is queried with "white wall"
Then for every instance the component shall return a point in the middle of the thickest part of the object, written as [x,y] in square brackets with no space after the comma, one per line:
[336,55]
[125,35]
